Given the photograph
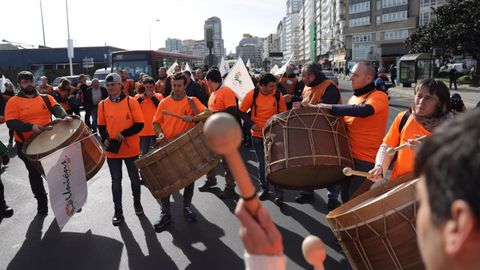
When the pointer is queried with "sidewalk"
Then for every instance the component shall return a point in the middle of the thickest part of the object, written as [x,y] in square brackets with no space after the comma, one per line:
[470,95]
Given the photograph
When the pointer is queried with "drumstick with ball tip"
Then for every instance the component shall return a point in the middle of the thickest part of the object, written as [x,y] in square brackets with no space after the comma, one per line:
[314,252]
[172,114]
[347,171]
[224,135]
[392,150]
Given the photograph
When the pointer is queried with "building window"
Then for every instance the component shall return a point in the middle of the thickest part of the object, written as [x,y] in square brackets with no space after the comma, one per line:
[379,4]
[362,38]
[359,21]
[394,3]
[360,7]
[396,35]
[395,16]
[424,18]
[379,20]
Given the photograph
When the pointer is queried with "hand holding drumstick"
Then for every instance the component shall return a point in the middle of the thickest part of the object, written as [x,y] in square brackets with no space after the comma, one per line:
[258,232]
[412,143]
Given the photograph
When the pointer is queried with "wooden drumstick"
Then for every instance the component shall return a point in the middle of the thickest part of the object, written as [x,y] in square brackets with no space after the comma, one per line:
[224,136]
[392,150]
[172,114]
[347,171]
[314,252]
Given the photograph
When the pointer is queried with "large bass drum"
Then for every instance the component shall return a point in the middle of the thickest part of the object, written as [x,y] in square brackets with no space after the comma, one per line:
[306,148]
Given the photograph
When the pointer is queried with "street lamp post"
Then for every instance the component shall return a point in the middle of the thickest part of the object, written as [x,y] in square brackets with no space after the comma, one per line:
[43,26]
[69,42]
[150,33]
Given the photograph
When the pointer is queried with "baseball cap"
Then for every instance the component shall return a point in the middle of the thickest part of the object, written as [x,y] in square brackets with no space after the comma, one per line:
[113,77]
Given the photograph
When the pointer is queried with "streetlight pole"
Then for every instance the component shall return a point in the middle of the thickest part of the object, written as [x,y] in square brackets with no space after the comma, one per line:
[69,42]
[150,32]
[43,26]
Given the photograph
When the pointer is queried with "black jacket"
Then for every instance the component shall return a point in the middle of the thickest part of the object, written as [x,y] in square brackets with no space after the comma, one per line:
[195,90]
[88,101]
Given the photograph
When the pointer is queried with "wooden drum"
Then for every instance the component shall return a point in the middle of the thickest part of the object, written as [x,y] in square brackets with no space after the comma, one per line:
[306,148]
[176,164]
[377,229]
[63,134]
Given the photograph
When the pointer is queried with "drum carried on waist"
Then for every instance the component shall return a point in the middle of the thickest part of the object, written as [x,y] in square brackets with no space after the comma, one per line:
[377,229]
[176,164]
[306,148]
[63,134]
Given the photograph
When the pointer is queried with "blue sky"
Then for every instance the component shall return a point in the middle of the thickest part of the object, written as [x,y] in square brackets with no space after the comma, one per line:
[126,24]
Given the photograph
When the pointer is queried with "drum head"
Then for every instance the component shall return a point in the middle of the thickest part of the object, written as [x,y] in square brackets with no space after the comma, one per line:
[49,140]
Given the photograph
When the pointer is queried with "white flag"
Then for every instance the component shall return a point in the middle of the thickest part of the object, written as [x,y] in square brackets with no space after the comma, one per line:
[187,67]
[274,69]
[67,183]
[239,80]
[222,67]
[248,64]
[283,69]
[2,87]
[171,69]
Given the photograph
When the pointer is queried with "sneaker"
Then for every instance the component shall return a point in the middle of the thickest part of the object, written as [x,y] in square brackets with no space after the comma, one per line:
[117,217]
[278,201]
[189,214]
[303,198]
[332,204]
[165,219]
[5,159]
[227,193]
[138,208]
[6,212]
[207,185]
[263,195]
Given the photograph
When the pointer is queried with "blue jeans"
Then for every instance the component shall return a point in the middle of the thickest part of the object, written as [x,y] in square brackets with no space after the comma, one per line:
[115,166]
[94,113]
[260,152]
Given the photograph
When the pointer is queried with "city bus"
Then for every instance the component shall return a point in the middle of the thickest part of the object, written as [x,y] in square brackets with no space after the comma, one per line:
[148,62]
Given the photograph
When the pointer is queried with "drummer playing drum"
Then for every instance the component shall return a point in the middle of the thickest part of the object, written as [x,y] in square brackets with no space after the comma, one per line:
[431,107]
[28,113]
[167,126]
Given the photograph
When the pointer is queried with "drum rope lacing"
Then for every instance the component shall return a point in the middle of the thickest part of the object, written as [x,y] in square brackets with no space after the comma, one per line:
[383,237]
[285,127]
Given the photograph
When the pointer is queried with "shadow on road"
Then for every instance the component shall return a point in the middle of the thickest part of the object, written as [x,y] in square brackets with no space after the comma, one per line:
[65,250]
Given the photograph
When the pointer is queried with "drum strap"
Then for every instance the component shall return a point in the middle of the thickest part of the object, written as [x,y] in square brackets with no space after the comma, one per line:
[192,105]
[403,121]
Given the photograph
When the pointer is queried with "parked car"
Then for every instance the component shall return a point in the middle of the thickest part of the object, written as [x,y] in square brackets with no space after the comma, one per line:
[73,80]
[331,76]
[445,70]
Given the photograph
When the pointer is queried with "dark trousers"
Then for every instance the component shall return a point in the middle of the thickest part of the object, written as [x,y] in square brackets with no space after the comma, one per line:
[260,152]
[352,183]
[146,143]
[2,195]
[88,114]
[36,181]
[332,194]
[10,136]
[454,81]
[115,166]
[229,181]
[187,199]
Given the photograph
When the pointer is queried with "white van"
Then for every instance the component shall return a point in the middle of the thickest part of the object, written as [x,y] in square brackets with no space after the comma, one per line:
[101,74]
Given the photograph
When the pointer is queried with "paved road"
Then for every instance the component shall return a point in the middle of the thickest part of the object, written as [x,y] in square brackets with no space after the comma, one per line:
[89,241]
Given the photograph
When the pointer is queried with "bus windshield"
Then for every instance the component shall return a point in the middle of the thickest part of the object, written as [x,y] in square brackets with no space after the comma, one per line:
[134,68]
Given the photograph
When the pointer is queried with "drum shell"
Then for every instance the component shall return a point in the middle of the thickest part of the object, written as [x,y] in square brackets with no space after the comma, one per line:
[92,152]
[306,148]
[382,234]
[173,166]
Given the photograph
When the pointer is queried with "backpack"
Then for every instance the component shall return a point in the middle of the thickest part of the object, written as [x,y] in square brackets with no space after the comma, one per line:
[256,92]
[403,121]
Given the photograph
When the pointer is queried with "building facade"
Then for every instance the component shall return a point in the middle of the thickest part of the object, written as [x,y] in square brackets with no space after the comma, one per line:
[251,47]
[173,45]
[426,13]
[377,29]
[214,25]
